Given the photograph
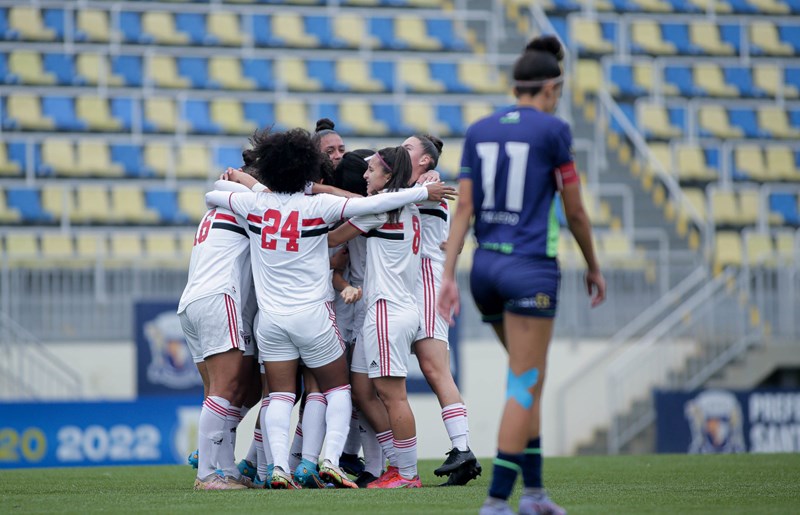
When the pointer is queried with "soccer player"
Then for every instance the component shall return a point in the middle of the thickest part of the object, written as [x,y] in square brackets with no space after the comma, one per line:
[292,277]
[431,344]
[513,164]
[329,141]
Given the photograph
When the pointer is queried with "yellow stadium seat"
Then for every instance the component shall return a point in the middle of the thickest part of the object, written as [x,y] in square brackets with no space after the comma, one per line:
[695,198]
[727,250]
[227,71]
[163,72]
[692,164]
[90,245]
[161,113]
[705,34]
[599,5]
[750,160]
[412,30]
[352,29]
[655,6]
[7,167]
[714,118]
[185,245]
[473,111]
[355,73]
[785,247]
[58,201]
[128,206]
[589,36]
[94,24]
[292,113]
[358,113]
[27,66]
[92,204]
[662,153]
[764,34]
[449,163]
[57,246]
[161,26]
[159,157]
[771,6]
[226,28]
[774,119]
[422,117]
[96,113]
[588,76]
[415,76]
[749,205]
[59,156]
[26,110]
[780,163]
[724,208]
[656,121]
[647,34]
[758,249]
[191,200]
[291,71]
[161,250]
[94,158]
[289,26]
[481,77]
[769,78]
[126,247]
[717,6]
[21,248]
[194,161]
[229,115]
[94,69]
[709,77]
[7,214]
[28,22]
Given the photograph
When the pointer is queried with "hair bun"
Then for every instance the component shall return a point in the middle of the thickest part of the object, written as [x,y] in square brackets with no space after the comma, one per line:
[549,43]
[439,144]
[324,124]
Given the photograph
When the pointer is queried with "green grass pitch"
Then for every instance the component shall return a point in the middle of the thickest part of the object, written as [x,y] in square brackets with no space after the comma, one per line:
[768,484]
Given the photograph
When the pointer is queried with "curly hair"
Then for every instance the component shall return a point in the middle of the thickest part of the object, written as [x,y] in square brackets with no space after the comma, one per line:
[249,156]
[286,161]
[399,163]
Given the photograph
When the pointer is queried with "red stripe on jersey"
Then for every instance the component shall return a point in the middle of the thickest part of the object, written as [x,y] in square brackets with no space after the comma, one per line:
[341,215]
[443,204]
[311,222]
[393,227]
[229,201]
[254,218]
[227,218]
[332,318]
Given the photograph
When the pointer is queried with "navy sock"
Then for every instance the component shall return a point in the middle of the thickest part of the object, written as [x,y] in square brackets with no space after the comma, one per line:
[506,468]
[532,464]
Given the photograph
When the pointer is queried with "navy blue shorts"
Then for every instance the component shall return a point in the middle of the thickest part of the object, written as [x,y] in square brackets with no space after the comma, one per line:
[517,284]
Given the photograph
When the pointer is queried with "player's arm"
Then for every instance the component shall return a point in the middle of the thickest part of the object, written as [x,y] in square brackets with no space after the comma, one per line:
[388,201]
[235,201]
[448,303]
[342,234]
[581,228]
[332,190]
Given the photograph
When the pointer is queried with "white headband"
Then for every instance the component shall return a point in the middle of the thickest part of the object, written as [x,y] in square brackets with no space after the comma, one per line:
[538,83]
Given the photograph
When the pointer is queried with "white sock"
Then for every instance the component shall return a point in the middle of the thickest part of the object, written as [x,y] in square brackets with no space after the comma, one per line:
[211,435]
[261,458]
[278,422]
[296,454]
[227,460]
[340,409]
[252,452]
[313,426]
[386,441]
[454,417]
[353,443]
[264,435]
[373,454]
[407,457]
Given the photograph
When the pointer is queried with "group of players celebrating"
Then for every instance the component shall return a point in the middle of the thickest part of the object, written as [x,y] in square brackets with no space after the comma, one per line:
[323,266]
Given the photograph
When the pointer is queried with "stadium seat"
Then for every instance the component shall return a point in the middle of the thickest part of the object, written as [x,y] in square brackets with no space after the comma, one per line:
[195,69]
[449,164]
[765,40]
[90,246]
[352,30]
[191,201]
[260,71]
[419,116]
[474,110]
[159,159]
[57,246]
[415,76]
[292,73]
[749,202]
[696,198]
[774,121]
[785,253]
[94,69]
[95,112]
[128,206]
[58,201]
[724,207]
[260,113]
[185,244]
[62,111]
[160,26]
[784,206]
[412,31]
[129,67]
[692,166]
[93,26]
[356,74]
[225,27]
[24,202]
[706,35]
[656,123]
[195,113]
[618,249]
[324,72]
[163,72]
[709,78]
[160,115]
[58,157]
[63,67]
[748,162]
[94,159]
[789,80]
[358,114]
[647,38]
[662,153]
[450,115]
[588,76]
[130,158]
[28,25]
[229,116]
[92,205]
[128,112]
[727,250]
[161,250]
[26,67]
[194,25]
[758,249]
[589,37]
[21,249]
[382,27]
[292,113]
[125,249]
[781,163]
[715,122]
[449,34]
[288,27]
[227,72]
[481,77]
[165,203]
[8,168]
[193,161]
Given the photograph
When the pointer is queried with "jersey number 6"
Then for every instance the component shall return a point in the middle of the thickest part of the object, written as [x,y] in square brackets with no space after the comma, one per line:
[289,230]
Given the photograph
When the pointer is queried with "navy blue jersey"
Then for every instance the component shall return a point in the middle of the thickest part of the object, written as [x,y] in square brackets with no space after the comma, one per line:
[518,158]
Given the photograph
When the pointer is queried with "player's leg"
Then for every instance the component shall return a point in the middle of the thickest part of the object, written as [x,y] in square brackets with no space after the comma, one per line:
[265,461]
[313,433]
[193,458]
[281,381]
[252,397]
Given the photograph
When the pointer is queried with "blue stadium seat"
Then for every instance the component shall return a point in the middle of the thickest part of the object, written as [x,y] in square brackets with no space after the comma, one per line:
[28,203]
[197,114]
[742,78]
[324,70]
[791,76]
[786,205]
[129,67]
[712,157]
[609,30]
[731,34]
[630,113]
[262,35]
[54,19]
[130,24]
[260,113]
[260,71]
[561,26]
[621,75]
[626,6]
[63,67]
[384,71]
[743,6]
[387,113]
[123,108]
[745,119]
[5,76]
[791,35]
[18,152]
[130,157]
[165,203]
[62,111]
[194,24]
[451,115]
[685,6]
[331,110]
[196,70]
[447,74]
[677,117]
[443,30]
[794,118]
[227,155]
[681,77]
[4,25]
[678,35]
[320,26]
[383,29]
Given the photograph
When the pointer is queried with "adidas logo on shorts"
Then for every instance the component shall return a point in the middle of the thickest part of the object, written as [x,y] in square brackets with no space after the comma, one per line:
[373,365]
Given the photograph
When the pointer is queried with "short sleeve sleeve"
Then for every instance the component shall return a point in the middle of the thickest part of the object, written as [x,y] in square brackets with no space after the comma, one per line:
[366,223]
[565,172]
[241,202]
[329,207]
[469,158]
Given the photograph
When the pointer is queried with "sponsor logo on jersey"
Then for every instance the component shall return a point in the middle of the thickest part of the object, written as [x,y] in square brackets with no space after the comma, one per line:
[512,117]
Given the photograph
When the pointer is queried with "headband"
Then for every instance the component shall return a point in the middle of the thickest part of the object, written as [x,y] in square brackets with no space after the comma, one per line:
[537,83]
[385,165]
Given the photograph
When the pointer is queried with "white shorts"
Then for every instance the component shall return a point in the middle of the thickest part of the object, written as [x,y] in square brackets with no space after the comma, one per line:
[310,334]
[386,339]
[344,317]
[431,324]
[211,325]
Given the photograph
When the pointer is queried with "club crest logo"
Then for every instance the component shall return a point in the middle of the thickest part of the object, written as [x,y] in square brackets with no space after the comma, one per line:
[716,423]
[171,362]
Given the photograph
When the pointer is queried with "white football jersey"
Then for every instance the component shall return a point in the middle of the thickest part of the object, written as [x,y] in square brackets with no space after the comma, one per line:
[435,218]
[220,261]
[393,260]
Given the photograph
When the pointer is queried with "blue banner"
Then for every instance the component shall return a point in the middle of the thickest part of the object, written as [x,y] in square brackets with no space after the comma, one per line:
[725,421]
[149,431]
[164,362]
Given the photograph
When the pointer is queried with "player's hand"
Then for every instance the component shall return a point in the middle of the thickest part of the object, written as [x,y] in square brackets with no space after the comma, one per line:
[429,176]
[351,294]
[237,175]
[440,191]
[443,247]
[448,304]
[596,287]
[340,260]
